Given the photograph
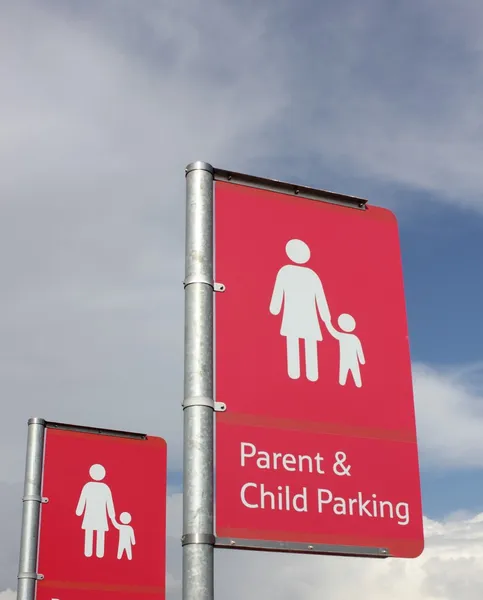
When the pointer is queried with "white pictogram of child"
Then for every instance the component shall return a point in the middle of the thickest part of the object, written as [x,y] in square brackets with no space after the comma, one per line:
[350,347]
[126,536]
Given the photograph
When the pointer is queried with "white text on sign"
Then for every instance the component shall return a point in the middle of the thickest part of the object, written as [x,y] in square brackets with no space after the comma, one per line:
[304,499]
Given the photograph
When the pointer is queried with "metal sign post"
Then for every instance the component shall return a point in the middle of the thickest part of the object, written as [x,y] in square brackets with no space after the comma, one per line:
[32,498]
[310,459]
[198,538]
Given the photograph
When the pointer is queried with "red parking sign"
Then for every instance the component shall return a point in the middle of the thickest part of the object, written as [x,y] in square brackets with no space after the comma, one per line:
[102,530]
[317,446]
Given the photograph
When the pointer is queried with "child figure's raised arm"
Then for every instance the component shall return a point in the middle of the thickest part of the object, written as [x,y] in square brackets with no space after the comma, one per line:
[333,332]
[321,301]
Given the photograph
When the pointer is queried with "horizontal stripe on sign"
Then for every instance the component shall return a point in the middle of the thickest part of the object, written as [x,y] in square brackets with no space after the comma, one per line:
[101,587]
[396,435]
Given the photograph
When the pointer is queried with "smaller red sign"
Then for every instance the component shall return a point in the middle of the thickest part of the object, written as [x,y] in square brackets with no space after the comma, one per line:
[103,529]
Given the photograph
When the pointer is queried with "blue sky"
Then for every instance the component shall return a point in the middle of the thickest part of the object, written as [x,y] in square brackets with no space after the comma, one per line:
[444,292]
[104,103]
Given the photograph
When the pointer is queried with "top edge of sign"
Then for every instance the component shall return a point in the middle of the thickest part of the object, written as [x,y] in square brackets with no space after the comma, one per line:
[87,429]
[274,185]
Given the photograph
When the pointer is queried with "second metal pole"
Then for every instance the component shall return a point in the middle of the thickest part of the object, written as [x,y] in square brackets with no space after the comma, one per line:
[29,541]
[198,535]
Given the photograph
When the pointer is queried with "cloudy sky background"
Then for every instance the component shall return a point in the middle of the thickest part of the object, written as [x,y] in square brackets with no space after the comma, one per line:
[103,103]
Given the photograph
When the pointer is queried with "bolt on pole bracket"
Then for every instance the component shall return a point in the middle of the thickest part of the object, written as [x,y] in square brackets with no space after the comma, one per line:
[204,401]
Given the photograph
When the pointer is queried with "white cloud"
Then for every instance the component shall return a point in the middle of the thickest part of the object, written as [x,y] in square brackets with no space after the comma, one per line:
[450,568]
[449,408]
[8,595]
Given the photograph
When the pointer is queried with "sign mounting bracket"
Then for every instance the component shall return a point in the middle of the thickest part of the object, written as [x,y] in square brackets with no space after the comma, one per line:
[302,548]
[291,189]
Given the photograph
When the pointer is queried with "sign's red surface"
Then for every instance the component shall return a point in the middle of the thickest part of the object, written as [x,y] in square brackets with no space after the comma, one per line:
[318,442]
[103,529]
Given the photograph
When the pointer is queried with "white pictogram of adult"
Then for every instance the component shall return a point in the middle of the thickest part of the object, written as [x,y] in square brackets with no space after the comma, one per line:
[301,293]
[96,504]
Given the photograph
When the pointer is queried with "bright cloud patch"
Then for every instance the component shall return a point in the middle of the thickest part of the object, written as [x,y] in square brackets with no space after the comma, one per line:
[450,568]
[449,405]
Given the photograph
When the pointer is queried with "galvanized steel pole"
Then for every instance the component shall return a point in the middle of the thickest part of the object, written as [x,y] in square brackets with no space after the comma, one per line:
[198,405]
[32,499]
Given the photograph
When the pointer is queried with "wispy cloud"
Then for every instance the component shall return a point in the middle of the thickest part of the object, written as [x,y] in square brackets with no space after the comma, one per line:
[390,94]
[105,105]
[449,404]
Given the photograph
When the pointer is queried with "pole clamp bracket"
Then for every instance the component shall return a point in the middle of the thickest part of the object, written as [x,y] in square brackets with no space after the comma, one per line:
[204,401]
[34,576]
[217,287]
[39,499]
[198,538]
